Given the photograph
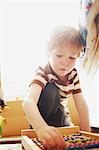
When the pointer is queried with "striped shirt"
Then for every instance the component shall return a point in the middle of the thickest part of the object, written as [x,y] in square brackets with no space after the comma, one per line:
[66,88]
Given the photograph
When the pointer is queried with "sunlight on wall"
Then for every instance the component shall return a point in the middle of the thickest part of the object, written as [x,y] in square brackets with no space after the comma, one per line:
[26,26]
[90,89]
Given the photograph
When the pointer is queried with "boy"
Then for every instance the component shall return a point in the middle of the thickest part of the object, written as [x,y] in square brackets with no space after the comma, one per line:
[45,103]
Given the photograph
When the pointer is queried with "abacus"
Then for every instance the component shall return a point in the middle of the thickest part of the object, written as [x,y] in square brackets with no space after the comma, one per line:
[73,137]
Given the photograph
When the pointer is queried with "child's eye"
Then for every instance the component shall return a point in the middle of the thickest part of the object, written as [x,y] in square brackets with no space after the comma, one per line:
[58,55]
[72,58]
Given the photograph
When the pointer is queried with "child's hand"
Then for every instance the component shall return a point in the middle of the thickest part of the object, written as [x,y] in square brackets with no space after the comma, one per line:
[51,138]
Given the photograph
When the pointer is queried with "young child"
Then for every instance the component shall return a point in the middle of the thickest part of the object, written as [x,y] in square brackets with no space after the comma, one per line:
[45,103]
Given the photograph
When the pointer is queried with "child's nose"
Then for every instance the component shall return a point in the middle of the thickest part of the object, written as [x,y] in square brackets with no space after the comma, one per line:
[65,61]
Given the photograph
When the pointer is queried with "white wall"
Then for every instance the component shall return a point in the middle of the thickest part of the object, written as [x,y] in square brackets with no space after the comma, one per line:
[26,26]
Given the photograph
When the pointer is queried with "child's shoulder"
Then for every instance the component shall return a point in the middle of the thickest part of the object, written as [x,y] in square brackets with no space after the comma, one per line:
[73,73]
[43,69]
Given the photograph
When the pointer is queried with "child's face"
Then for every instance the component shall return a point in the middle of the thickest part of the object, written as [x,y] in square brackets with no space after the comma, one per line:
[62,60]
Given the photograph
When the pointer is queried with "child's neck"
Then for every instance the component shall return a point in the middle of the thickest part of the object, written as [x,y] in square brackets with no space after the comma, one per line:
[62,78]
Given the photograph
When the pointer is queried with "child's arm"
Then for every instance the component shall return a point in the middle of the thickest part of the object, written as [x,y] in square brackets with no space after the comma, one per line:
[50,136]
[82,111]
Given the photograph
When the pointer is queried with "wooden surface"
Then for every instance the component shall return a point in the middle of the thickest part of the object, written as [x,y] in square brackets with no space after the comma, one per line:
[95,135]
[64,130]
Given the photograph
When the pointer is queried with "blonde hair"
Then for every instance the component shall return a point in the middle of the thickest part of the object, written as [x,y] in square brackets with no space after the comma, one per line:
[64,36]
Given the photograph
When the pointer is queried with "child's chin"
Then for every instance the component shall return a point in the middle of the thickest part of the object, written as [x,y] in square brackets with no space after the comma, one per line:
[64,74]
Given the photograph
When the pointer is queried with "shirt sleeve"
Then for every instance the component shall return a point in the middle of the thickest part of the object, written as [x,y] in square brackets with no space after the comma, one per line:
[40,78]
[77,87]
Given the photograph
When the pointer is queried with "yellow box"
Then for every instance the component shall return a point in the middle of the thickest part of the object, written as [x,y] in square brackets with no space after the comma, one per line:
[14,119]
